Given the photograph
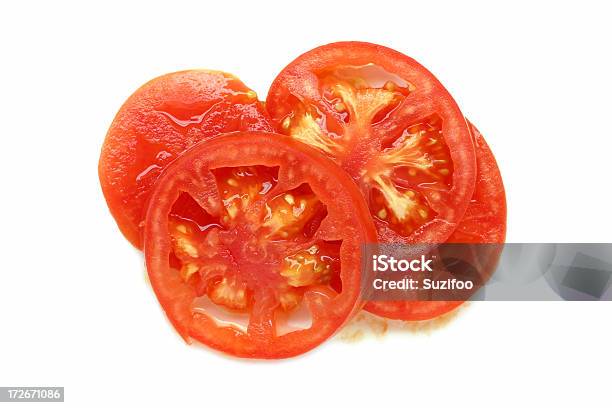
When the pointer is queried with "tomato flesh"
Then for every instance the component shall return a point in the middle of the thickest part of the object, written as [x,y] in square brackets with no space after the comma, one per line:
[157,123]
[278,231]
[391,125]
[282,217]
[484,222]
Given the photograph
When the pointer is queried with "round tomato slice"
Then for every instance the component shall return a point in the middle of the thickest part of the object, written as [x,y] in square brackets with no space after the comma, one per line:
[157,123]
[269,265]
[391,125]
[484,222]
[485,218]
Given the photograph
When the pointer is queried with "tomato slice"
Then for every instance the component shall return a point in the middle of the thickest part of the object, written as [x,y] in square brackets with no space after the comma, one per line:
[485,218]
[484,222]
[269,265]
[157,123]
[391,125]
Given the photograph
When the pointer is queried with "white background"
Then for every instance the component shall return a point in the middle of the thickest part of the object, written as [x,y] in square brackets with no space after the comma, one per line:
[76,310]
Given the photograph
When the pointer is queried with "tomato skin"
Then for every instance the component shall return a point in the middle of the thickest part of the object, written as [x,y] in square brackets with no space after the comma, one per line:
[349,221]
[157,123]
[484,222]
[299,81]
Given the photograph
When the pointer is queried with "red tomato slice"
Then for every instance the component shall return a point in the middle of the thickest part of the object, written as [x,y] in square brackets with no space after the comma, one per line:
[269,265]
[391,125]
[485,218]
[157,123]
[484,222]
